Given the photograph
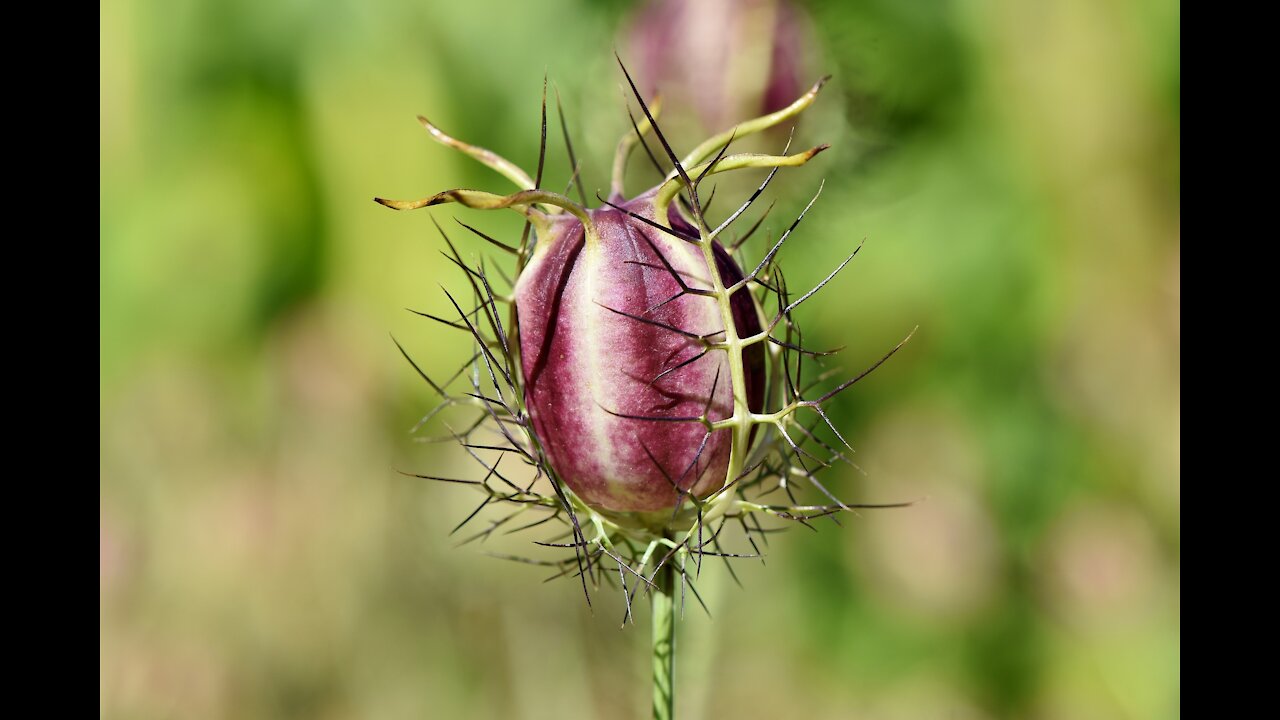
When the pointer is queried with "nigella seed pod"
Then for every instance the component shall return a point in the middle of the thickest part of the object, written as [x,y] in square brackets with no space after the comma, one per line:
[637,373]
[641,348]
[614,340]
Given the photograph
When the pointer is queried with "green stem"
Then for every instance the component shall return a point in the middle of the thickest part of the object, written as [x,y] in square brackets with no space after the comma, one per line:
[664,644]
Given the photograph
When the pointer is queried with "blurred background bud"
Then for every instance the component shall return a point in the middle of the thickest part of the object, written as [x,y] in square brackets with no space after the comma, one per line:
[721,60]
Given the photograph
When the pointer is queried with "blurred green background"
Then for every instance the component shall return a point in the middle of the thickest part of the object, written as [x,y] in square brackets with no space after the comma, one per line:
[1014,167]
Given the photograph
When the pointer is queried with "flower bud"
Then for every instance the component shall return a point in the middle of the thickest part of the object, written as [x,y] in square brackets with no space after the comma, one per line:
[614,351]
[727,59]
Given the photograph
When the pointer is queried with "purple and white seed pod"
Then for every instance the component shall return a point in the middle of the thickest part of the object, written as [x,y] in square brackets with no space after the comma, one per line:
[615,359]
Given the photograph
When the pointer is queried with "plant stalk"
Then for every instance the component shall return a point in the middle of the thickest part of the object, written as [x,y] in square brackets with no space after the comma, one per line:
[664,643]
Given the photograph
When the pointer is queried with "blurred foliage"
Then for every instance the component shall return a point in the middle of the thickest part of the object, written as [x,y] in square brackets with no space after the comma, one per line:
[1014,168]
